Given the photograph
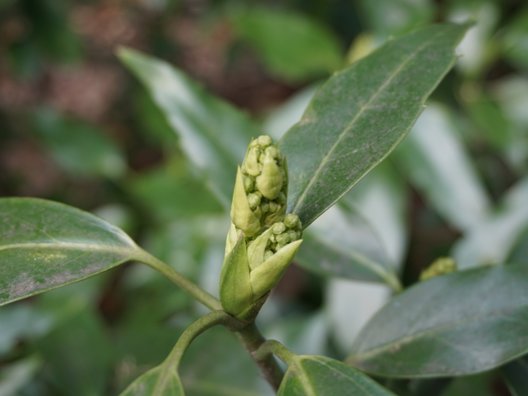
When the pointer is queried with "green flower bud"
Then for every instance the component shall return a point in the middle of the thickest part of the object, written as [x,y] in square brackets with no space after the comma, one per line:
[262,240]
[259,198]
[236,295]
[441,266]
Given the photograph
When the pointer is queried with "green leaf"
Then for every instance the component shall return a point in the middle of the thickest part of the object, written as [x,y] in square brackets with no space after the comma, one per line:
[360,114]
[292,46]
[322,376]
[516,376]
[44,245]
[77,147]
[458,324]
[162,380]
[213,134]
[495,237]
[438,164]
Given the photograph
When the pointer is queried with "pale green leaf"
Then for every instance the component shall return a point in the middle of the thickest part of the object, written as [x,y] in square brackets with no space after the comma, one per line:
[162,380]
[493,239]
[438,164]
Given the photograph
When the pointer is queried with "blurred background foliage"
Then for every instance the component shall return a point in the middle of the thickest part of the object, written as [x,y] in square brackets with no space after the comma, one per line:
[76,127]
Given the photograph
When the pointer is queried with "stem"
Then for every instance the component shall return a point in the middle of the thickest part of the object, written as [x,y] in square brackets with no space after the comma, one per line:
[194,330]
[273,347]
[253,340]
[190,287]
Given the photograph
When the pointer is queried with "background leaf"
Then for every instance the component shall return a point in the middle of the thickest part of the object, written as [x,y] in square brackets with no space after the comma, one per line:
[364,112]
[457,324]
[78,148]
[44,245]
[493,239]
[438,164]
[213,134]
[515,375]
[321,376]
[292,46]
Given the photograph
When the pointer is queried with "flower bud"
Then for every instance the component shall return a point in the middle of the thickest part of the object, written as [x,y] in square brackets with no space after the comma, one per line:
[441,266]
[259,197]
[262,240]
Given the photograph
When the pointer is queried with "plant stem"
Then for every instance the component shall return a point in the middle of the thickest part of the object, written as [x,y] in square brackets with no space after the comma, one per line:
[195,329]
[273,347]
[190,287]
[253,340]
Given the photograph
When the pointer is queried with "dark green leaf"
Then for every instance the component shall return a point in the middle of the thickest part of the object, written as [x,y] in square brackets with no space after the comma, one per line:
[458,324]
[291,45]
[515,40]
[484,384]
[361,114]
[322,376]
[213,134]
[45,244]
[516,376]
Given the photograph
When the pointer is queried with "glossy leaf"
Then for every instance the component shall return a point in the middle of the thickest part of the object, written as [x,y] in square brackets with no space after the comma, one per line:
[292,46]
[438,164]
[493,239]
[45,244]
[159,381]
[322,376]
[360,114]
[213,134]
[458,324]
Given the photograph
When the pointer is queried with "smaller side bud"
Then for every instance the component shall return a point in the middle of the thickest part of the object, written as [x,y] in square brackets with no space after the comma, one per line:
[441,266]
[236,294]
